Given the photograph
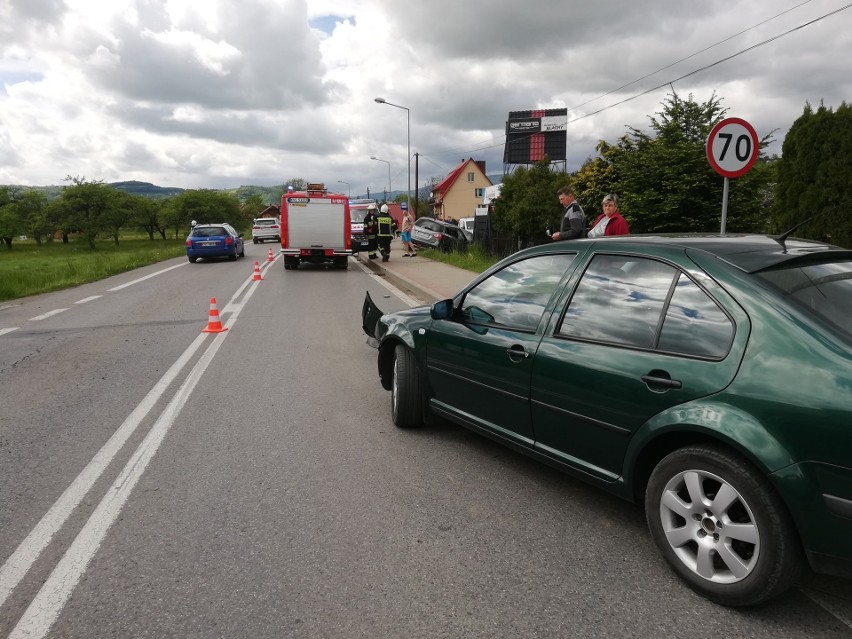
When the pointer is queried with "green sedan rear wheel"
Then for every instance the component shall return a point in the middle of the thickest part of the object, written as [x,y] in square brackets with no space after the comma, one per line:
[405,389]
[721,526]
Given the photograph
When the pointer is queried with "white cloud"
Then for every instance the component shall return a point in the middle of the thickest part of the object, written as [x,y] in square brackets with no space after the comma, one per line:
[227,92]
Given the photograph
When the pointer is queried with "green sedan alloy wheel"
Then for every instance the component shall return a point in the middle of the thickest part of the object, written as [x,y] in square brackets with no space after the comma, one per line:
[721,526]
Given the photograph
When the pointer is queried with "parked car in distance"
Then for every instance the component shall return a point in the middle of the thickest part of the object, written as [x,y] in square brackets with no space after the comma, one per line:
[431,233]
[266,228]
[214,240]
[466,223]
[706,377]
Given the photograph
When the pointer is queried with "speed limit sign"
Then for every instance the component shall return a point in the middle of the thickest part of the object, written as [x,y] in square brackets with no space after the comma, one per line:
[732,147]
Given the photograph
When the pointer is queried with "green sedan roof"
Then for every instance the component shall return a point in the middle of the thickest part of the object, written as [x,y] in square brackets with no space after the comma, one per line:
[749,253]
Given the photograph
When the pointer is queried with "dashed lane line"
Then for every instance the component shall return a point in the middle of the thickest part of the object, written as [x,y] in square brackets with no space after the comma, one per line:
[44,316]
[147,277]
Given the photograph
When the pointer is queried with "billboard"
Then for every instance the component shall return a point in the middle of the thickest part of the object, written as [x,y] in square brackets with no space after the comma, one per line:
[530,135]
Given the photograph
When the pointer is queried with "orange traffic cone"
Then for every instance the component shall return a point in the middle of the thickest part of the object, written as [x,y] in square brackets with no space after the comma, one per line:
[214,324]
[257,277]
[270,258]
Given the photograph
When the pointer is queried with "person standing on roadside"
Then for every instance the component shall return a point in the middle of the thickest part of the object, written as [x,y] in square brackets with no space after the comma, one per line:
[371,228]
[407,225]
[386,227]
[610,221]
[573,218]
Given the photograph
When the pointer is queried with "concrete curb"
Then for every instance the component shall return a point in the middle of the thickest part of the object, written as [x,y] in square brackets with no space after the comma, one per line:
[419,277]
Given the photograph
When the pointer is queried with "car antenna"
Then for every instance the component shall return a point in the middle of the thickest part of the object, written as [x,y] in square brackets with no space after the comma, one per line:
[782,239]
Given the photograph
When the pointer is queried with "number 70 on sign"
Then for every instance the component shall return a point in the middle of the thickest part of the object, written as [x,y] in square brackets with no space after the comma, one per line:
[732,147]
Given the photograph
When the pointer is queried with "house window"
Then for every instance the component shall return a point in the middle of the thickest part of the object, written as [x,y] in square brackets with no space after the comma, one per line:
[470,177]
[479,192]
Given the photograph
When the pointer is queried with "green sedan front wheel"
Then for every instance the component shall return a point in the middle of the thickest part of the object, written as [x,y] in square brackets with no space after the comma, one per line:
[721,526]
[406,402]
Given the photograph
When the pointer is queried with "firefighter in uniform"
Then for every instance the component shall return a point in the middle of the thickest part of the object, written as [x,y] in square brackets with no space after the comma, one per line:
[387,229]
[371,227]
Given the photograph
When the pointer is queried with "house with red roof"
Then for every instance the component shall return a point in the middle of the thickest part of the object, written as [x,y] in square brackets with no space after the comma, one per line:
[270,211]
[458,194]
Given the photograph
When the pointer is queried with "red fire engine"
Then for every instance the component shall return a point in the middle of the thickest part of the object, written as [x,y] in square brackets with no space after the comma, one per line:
[315,227]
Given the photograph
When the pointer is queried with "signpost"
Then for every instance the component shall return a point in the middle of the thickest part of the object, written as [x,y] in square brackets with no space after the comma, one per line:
[732,149]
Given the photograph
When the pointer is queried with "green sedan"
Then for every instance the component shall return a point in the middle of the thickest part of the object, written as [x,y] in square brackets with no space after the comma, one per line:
[708,377]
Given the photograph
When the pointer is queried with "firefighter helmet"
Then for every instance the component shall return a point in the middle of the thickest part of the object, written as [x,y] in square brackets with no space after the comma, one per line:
[384,208]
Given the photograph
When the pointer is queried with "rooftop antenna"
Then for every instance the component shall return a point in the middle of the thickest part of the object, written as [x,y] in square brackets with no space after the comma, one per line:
[781,239]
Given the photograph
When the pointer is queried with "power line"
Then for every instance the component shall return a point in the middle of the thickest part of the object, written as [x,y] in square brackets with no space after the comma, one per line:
[692,55]
[669,82]
[713,64]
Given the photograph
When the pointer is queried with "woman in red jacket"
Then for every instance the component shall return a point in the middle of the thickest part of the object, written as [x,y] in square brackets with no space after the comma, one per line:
[610,221]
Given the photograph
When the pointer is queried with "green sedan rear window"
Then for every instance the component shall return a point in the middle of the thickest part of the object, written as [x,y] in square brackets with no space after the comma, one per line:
[825,290]
[644,303]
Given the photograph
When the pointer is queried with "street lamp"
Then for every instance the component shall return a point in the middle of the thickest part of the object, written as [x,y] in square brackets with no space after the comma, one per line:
[408,124]
[373,157]
[348,186]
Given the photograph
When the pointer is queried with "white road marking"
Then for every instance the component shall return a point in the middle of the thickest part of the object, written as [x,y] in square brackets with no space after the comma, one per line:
[411,301]
[837,611]
[147,277]
[44,316]
[3,331]
[50,600]
[19,563]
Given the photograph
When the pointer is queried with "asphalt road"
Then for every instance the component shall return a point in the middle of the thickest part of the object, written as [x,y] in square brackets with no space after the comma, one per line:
[156,481]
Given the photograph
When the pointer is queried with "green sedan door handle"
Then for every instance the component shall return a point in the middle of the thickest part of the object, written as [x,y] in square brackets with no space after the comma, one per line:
[661,379]
[516,352]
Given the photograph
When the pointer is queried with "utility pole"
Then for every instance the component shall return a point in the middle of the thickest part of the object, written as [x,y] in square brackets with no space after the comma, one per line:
[416,184]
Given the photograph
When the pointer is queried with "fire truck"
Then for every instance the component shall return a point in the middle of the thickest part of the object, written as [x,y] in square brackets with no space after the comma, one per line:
[315,228]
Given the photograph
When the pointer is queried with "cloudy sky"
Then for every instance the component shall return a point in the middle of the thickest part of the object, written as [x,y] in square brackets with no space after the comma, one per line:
[221,93]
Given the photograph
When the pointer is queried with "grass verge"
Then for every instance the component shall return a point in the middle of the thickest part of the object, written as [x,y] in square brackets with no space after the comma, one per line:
[28,269]
[475,259]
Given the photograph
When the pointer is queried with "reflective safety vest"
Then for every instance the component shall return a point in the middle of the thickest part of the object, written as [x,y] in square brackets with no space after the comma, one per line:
[386,225]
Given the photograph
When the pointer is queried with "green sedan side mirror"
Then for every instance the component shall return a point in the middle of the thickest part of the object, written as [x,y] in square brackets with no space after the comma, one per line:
[442,310]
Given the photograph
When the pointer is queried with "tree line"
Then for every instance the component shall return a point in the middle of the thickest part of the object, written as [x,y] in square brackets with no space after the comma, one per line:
[665,183]
[90,210]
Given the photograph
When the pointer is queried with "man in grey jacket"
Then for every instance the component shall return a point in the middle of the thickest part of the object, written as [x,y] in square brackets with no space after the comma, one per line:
[574,220]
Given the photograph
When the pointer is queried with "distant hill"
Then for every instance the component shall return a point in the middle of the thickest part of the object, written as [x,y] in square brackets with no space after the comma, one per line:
[270,194]
[146,189]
